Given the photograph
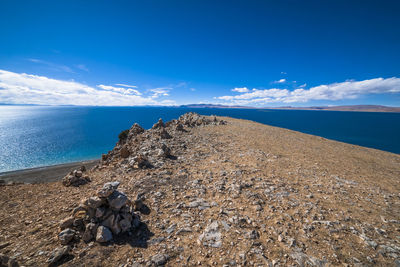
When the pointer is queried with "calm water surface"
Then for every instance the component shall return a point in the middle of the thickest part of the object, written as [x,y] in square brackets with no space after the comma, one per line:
[32,136]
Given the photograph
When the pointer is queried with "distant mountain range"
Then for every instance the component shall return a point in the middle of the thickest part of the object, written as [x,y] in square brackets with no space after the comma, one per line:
[365,108]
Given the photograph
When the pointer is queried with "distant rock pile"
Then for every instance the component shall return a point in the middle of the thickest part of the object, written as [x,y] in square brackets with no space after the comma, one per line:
[193,119]
[76,178]
[143,149]
[100,217]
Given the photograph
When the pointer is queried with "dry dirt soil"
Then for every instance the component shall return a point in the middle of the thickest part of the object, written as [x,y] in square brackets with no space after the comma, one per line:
[240,194]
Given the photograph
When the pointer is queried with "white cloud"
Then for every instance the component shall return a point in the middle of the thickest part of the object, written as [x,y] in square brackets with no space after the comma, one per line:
[240,89]
[126,85]
[21,88]
[335,91]
[161,91]
[280,81]
[121,90]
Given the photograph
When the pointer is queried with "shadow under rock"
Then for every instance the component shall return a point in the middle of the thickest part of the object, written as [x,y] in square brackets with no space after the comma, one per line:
[144,209]
[64,259]
[137,239]
[172,157]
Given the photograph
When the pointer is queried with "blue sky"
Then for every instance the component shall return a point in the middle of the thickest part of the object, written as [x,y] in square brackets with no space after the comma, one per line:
[256,53]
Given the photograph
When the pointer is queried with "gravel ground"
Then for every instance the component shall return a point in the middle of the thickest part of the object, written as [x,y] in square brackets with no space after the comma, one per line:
[234,194]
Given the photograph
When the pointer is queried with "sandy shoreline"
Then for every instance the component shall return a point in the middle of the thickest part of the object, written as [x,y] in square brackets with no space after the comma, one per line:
[44,174]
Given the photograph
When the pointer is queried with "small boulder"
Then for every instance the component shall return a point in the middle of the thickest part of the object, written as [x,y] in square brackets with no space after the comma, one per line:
[67,223]
[95,202]
[117,200]
[159,259]
[108,189]
[90,232]
[66,236]
[58,254]
[103,234]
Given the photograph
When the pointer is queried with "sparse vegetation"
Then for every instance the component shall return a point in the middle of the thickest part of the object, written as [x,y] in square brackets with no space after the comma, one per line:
[123,135]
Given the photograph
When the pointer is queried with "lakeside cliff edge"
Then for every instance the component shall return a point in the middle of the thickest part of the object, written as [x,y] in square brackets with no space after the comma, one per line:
[211,191]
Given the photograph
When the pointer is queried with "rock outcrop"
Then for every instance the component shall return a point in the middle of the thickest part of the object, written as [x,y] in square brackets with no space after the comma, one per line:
[100,217]
[76,178]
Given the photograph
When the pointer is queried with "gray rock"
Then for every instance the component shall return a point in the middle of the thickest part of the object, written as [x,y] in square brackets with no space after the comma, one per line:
[171,229]
[184,230]
[156,240]
[211,236]
[66,236]
[160,259]
[117,200]
[90,232]
[112,223]
[57,254]
[108,189]
[67,223]
[125,225]
[95,202]
[100,212]
[103,234]
[199,203]
[305,260]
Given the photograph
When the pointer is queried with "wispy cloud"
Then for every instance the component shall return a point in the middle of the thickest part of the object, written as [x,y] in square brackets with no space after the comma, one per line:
[240,89]
[280,81]
[82,67]
[21,88]
[53,66]
[336,91]
[126,85]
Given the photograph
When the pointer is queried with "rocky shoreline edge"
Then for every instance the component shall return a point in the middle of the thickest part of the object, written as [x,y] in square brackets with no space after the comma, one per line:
[43,174]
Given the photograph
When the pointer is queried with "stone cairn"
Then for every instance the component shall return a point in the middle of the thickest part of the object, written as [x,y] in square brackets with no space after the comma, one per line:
[76,178]
[100,217]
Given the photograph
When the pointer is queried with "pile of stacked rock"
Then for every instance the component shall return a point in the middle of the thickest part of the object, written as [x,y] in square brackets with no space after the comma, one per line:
[76,178]
[138,148]
[100,217]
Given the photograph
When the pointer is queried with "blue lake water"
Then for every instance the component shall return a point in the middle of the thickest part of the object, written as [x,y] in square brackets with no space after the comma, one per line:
[32,136]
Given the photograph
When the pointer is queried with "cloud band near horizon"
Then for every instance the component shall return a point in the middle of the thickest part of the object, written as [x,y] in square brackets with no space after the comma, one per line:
[22,88]
[333,92]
